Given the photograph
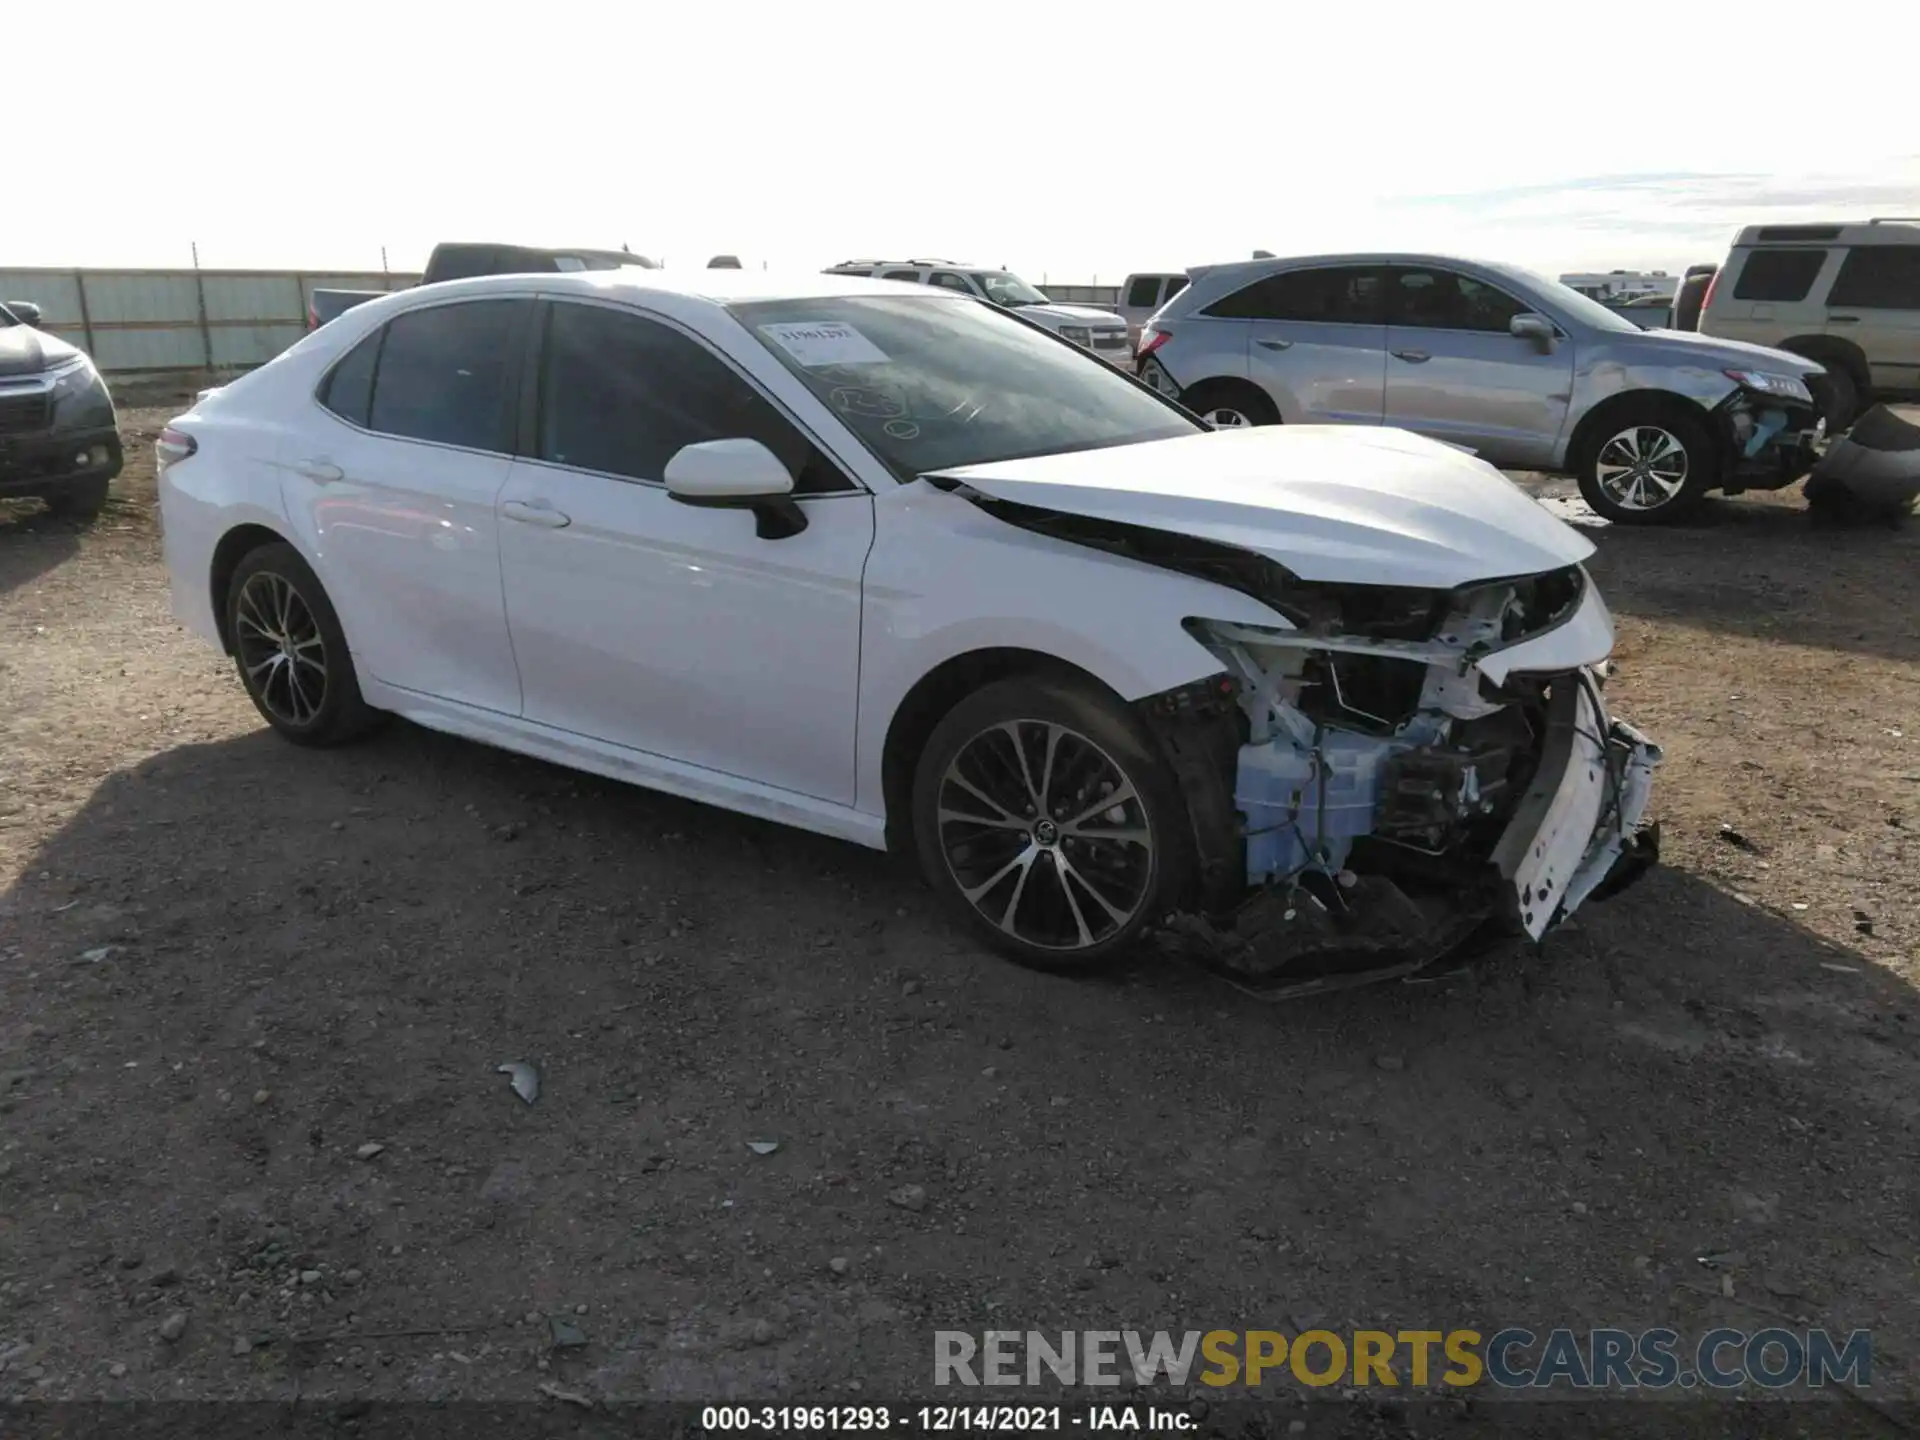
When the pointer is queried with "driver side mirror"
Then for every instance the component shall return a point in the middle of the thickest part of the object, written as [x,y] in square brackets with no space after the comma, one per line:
[25,311]
[737,475]
[1536,328]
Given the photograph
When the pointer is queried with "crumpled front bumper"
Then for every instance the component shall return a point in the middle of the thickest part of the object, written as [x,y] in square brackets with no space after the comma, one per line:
[1577,831]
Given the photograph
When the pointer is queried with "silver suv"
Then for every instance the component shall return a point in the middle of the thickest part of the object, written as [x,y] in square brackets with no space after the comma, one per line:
[1518,368]
[1845,295]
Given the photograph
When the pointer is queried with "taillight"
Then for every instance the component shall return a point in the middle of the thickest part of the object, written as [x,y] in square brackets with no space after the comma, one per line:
[1151,339]
[1707,299]
[313,316]
[172,447]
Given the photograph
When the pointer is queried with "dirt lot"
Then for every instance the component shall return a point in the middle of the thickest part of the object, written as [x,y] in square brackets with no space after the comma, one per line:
[228,968]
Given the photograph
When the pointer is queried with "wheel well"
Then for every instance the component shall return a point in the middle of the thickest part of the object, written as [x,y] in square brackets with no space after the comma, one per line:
[1830,350]
[1615,408]
[928,702]
[1232,384]
[234,546]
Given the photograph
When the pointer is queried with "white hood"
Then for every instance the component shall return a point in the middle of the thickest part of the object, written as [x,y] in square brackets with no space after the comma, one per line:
[1071,315]
[1336,503]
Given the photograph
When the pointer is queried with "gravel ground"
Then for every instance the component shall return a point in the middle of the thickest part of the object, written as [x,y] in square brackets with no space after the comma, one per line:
[252,999]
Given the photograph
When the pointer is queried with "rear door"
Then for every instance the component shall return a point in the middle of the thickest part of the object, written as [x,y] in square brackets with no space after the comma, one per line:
[1456,372]
[394,484]
[1875,302]
[1316,342]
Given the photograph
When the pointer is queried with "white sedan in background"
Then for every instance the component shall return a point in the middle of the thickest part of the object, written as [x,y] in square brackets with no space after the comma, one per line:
[905,569]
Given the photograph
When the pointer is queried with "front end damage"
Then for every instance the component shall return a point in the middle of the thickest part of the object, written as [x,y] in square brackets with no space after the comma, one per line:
[1767,441]
[1400,772]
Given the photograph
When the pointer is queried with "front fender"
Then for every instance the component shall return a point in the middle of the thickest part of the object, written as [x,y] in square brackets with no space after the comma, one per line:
[946,579]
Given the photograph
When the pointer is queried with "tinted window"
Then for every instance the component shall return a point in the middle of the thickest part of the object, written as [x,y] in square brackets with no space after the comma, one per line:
[1882,277]
[1144,291]
[927,383]
[913,275]
[1339,295]
[1778,274]
[446,374]
[1175,284]
[1447,300]
[952,281]
[348,389]
[622,394]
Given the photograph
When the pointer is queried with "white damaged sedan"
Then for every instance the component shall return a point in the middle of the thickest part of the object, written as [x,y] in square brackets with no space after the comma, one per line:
[902,568]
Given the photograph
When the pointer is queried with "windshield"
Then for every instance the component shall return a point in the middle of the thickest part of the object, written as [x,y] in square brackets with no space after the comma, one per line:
[6,318]
[1005,288]
[1580,307]
[929,383]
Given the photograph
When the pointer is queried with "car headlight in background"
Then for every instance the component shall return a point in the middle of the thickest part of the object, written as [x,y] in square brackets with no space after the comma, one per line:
[74,376]
[1078,334]
[1787,387]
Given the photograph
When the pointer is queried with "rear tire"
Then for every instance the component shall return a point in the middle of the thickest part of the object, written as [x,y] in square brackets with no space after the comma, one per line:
[1031,793]
[83,500]
[1838,395]
[1231,404]
[291,652]
[1649,464]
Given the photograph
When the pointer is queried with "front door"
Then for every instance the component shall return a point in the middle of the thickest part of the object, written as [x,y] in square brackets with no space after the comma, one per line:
[664,627]
[1456,372]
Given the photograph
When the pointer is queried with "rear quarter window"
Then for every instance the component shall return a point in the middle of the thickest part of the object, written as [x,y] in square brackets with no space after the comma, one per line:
[1778,275]
[1879,277]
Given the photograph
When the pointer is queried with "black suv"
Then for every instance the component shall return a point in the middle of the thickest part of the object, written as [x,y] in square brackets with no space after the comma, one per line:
[58,439]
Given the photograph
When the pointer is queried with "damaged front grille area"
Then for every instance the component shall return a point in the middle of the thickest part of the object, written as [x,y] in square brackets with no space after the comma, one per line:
[1376,780]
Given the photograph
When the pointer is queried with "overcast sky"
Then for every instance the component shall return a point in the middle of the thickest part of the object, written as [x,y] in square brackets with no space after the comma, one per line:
[1069,140]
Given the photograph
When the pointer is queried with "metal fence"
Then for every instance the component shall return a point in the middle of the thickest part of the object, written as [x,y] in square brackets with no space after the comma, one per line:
[132,321]
[154,321]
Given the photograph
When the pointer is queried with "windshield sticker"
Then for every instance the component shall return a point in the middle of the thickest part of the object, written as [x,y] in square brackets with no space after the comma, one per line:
[902,429]
[867,404]
[824,342]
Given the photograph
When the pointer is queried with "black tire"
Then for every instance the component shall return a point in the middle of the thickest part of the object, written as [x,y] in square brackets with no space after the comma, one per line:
[83,500]
[1837,394]
[276,645]
[1675,447]
[1213,398]
[1049,916]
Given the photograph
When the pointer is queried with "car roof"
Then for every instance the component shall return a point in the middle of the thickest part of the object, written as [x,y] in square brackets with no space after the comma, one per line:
[720,287]
[1882,230]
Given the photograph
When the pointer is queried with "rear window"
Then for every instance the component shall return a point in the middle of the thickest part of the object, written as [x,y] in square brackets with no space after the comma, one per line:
[929,383]
[1144,291]
[1778,274]
[1879,277]
[1336,295]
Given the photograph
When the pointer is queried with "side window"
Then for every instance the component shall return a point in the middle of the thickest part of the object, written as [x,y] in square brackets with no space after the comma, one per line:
[1144,292]
[622,394]
[952,281]
[1447,300]
[1175,284]
[1879,277]
[913,275]
[1337,295]
[446,374]
[348,389]
[1784,275]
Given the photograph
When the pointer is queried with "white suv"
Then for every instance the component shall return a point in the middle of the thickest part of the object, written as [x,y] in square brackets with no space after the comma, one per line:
[1101,331]
[1845,295]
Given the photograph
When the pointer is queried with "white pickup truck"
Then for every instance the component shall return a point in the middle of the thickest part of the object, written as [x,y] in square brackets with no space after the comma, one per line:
[1101,331]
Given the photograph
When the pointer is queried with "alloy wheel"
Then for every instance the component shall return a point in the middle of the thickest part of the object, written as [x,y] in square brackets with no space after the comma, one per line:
[1223,417]
[1642,468]
[1045,835]
[281,648]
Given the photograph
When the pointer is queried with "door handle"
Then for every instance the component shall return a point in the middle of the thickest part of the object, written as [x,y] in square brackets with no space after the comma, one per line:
[535,512]
[324,471]
[1412,357]
[1843,319]
[1274,344]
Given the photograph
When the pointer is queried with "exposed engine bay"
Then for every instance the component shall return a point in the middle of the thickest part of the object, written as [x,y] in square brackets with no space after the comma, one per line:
[1390,799]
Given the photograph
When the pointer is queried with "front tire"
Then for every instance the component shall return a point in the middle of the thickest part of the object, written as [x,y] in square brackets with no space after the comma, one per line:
[83,500]
[1049,824]
[291,652]
[1649,465]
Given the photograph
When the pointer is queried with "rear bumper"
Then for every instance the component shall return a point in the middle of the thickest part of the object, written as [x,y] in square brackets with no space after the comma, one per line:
[35,464]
